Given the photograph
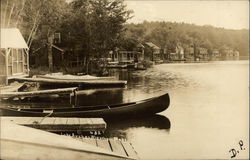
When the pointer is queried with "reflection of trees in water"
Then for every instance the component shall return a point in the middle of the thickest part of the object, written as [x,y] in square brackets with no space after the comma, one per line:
[117,128]
[122,74]
[152,79]
[99,97]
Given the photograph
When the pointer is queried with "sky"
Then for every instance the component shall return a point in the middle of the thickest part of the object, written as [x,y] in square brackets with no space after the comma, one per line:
[219,13]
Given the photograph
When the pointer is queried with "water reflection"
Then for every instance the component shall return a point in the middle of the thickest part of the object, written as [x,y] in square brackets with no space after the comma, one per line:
[119,128]
[99,97]
[209,109]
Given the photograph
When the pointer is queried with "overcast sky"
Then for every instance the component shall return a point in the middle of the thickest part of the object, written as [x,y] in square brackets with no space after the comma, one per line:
[219,13]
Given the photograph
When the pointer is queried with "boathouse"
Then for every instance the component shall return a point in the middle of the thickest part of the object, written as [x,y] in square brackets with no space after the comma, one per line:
[152,52]
[127,56]
[14,56]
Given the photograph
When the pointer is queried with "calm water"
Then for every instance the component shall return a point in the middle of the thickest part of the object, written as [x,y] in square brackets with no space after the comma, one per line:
[208,113]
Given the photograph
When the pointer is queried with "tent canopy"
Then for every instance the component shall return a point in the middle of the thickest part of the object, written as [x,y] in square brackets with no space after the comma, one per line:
[12,38]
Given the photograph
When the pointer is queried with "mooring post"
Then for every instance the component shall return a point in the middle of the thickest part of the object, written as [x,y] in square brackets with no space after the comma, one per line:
[75,98]
[70,99]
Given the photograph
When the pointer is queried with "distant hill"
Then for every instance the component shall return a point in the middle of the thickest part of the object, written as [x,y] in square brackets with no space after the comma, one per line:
[168,34]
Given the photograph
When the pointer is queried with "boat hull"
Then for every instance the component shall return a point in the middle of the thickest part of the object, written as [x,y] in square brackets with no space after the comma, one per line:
[137,109]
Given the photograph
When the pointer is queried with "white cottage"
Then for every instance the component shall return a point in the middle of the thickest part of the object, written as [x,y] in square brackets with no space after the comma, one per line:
[13,55]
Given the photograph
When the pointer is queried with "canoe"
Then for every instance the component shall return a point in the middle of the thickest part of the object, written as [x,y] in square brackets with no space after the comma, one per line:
[25,143]
[134,109]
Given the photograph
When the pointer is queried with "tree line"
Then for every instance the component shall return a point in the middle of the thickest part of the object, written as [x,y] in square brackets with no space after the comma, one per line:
[94,26]
[97,26]
[168,34]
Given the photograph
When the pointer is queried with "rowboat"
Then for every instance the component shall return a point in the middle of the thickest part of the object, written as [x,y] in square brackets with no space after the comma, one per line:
[38,144]
[14,87]
[59,91]
[73,77]
[133,109]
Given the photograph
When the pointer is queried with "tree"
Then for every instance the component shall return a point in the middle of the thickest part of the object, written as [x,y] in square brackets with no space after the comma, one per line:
[96,26]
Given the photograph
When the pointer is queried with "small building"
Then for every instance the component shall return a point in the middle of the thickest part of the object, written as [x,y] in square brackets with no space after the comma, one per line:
[14,56]
[215,53]
[178,55]
[165,54]
[229,54]
[236,53]
[202,52]
[124,56]
[189,53]
[152,52]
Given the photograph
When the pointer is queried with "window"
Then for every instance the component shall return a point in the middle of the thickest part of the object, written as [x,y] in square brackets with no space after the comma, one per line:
[17,61]
[57,38]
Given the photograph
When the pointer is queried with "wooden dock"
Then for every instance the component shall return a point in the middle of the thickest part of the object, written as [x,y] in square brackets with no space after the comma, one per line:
[75,82]
[60,91]
[56,124]
[20,142]
[117,146]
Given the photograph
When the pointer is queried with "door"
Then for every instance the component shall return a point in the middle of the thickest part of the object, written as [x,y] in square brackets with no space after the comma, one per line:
[17,61]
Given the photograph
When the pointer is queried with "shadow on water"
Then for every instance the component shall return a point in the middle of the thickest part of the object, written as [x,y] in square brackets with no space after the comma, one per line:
[38,102]
[117,128]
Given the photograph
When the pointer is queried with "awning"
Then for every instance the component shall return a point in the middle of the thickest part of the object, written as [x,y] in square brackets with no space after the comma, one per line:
[12,38]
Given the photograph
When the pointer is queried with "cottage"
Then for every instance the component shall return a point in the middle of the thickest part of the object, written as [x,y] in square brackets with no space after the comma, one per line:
[152,52]
[124,56]
[14,56]
[189,52]
[236,53]
[215,53]
[202,52]
[178,55]
[164,53]
[227,52]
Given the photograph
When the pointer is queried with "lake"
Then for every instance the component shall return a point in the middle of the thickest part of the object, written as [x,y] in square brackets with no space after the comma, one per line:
[207,117]
[208,114]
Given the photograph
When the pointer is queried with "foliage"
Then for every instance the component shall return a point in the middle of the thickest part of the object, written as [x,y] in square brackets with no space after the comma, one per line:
[168,34]
[96,26]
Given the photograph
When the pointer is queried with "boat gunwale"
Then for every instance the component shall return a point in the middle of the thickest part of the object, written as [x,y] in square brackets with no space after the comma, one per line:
[41,110]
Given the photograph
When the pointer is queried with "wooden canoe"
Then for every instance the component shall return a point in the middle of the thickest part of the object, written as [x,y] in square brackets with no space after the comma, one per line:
[24,143]
[134,109]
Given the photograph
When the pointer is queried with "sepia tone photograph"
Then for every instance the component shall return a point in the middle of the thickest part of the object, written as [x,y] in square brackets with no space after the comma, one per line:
[124,79]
